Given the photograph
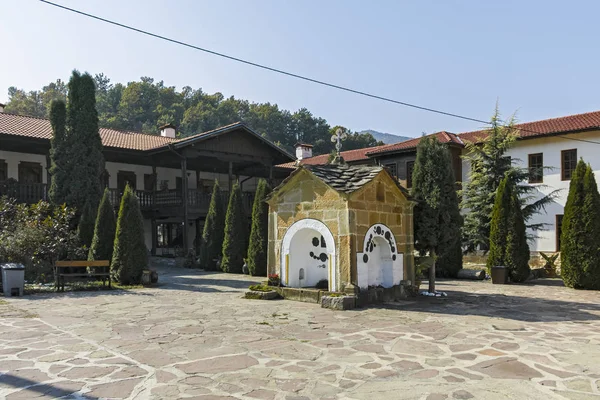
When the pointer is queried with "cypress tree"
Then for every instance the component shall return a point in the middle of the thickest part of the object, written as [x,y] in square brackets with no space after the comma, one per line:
[257,247]
[437,220]
[212,235]
[499,226]
[235,227]
[59,161]
[508,239]
[104,231]
[580,230]
[85,229]
[517,249]
[77,160]
[130,256]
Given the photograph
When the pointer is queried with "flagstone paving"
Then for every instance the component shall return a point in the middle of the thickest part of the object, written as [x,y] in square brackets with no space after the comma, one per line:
[195,337]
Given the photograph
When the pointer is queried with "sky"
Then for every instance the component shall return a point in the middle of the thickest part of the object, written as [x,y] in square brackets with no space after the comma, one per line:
[537,59]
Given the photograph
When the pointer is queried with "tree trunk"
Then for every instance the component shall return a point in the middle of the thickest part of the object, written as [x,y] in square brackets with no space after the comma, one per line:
[475,274]
[432,273]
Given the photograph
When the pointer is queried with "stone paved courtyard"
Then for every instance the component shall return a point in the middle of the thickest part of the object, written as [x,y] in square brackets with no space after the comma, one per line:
[195,337]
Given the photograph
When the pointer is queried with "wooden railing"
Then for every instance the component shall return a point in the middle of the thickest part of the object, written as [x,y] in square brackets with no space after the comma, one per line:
[196,199]
[28,193]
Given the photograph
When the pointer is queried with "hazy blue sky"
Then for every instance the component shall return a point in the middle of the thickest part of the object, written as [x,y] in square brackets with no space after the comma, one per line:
[539,58]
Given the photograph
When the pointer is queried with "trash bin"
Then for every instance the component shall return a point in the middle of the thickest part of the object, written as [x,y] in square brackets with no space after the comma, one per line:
[499,275]
[13,279]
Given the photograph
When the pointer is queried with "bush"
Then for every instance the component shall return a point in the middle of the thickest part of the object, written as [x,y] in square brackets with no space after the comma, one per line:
[212,235]
[260,288]
[104,231]
[257,247]
[36,236]
[234,247]
[580,258]
[130,256]
[86,226]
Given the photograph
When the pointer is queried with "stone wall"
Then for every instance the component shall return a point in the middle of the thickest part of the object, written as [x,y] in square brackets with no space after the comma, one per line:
[382,202]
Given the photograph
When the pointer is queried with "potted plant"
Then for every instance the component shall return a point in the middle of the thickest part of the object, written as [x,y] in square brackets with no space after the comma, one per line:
[273,280]
[422,265]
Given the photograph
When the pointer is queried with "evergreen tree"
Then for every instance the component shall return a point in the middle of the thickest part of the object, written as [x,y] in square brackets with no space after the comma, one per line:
[437,219]
[212,235]
[104,231]
[85,229]
[257,247]
[60,163]
[130,255]
[508,239]
[77,159]
[488,166]
[235,227]
[580,257]
[451,261]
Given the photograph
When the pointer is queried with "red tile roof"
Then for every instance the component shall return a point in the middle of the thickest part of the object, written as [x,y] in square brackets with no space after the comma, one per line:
[348,156]
[443,137]
[546,127]
[40,128]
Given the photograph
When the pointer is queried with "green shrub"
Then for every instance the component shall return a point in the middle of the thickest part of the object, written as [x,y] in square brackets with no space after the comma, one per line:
[257,247]
[104,231]
[130,256]
[212,236]
[85,228]
[234,248]
[36,236]
[260,288]
[580,257]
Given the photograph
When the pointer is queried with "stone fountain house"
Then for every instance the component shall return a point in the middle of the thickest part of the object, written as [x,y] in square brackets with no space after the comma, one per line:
[349,225]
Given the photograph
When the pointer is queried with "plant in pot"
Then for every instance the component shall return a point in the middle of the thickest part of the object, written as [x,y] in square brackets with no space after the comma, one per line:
[422,265]
[273,280]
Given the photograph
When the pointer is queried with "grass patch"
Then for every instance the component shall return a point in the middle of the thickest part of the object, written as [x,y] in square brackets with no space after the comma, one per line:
[260,288]
[336,294]
[263,323]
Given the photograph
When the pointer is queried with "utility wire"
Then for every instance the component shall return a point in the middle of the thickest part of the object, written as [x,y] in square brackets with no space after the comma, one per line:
[293,75]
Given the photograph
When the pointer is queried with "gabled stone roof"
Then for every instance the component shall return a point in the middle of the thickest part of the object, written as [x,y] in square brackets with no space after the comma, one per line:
[344,178]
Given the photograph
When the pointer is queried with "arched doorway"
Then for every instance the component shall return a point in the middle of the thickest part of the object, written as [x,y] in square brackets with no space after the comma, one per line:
[308,255]
[380,263]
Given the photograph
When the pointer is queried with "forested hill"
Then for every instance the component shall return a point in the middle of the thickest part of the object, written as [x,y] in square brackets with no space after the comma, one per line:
[145,105]
[387,138]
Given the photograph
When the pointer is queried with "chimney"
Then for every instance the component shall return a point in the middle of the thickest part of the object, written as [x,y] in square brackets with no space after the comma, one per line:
[303,151]
[2,107]
[168,130]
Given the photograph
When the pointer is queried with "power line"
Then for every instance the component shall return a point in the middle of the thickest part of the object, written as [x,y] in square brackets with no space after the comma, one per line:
[293,75]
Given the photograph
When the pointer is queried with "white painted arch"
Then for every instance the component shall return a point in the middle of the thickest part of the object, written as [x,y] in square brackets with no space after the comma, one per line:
[304,225]
[379,263]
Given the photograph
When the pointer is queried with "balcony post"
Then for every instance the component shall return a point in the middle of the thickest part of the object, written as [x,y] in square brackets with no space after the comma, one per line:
[184,188]
[230,176]
[154,185]
[154,236]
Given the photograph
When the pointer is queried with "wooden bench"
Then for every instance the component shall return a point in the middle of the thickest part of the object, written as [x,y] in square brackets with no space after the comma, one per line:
[72,269]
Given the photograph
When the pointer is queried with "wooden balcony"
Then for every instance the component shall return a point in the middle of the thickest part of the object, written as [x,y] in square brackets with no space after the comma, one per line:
[171,201]
[28,193]
[165,201]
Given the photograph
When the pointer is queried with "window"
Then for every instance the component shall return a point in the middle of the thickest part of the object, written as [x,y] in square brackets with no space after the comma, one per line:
[30,172]
[149,180]
[169,234]
[3,170]
[392,169]
[536,168]
[568,162]
[559,220]
[410,165]
[124,178]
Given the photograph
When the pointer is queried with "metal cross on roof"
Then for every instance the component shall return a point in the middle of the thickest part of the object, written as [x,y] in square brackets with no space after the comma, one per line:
[340,134]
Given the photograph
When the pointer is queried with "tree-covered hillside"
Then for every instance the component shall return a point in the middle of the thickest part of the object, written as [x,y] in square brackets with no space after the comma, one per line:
[146,104]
